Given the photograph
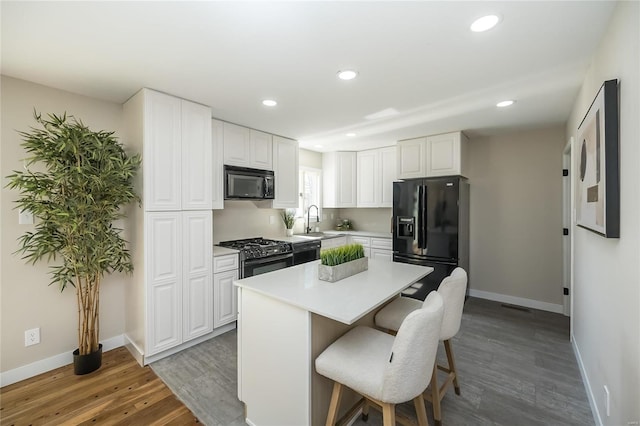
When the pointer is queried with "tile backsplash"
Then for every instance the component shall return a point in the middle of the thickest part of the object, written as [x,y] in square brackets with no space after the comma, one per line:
[248,219]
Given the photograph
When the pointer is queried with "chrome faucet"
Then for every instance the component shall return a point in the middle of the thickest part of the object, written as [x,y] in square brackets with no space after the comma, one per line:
[317,217]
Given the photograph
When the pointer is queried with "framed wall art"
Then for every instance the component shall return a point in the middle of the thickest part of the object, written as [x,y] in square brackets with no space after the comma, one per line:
[598,180]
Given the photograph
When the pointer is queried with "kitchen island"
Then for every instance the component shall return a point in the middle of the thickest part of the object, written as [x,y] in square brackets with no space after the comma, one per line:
[287,318]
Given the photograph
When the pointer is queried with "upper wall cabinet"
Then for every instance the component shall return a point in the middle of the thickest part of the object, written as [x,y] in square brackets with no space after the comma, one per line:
[440,155]
[285,169]
[217,141]
[339,179]
[376,173]
[246,147]
[177,155]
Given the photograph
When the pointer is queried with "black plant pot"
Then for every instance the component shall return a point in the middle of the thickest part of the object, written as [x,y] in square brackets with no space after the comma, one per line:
[85,364]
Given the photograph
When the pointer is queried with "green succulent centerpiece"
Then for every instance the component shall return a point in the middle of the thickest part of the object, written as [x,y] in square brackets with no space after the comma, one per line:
[84,180]
[342,262]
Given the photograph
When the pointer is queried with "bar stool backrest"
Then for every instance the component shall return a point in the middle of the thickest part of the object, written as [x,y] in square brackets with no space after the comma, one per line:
[452,289]
[414,349]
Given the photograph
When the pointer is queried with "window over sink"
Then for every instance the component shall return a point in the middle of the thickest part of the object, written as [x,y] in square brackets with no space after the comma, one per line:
[310,185]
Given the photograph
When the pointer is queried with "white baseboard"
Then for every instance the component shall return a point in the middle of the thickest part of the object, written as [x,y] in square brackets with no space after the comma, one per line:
[520,301]
[216,332]
[134,349]
[27,371]
[585,379]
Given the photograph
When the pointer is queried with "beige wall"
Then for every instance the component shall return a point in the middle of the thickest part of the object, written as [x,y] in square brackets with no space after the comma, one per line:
[606,289]
[27,300]
[516,214]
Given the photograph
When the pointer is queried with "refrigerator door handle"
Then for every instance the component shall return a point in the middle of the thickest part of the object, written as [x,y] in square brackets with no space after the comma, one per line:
[419,225]
[423,220]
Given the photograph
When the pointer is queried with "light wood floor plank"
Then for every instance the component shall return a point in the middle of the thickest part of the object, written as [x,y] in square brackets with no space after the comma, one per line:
[119,393]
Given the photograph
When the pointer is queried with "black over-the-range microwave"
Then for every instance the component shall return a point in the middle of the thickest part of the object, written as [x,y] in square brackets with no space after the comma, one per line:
[243,183]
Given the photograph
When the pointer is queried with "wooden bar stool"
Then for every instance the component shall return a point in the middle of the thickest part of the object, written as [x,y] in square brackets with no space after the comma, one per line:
[452,289]
[384,369]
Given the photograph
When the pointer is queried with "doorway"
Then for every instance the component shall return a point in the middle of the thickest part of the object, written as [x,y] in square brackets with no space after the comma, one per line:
[567,225]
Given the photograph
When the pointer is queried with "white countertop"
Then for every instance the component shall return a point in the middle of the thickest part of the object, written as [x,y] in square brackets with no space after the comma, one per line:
[347,300]
[222,251]
[361,233]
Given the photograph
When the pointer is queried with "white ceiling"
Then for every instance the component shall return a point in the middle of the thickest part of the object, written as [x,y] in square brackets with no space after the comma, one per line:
[419,58]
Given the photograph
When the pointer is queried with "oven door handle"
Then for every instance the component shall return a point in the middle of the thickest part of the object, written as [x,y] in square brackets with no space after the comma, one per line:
[268,259]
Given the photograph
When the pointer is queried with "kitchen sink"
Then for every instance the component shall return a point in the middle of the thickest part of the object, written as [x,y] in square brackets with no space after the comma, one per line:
[311,235]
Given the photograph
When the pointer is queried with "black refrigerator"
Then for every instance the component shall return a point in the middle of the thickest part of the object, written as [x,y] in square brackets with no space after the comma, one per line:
[431,228]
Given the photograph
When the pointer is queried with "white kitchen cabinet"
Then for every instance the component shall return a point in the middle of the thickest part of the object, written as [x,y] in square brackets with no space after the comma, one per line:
[261,150]
[388,167]
[368,178]
[244,147]
[217,175]
[179,278]
[365,241]
[237,144]
[432,156]
[374,247]
[197,299]
[224,293]
[376,171]
[339,179]
[177,156]
[170,301]
[285,169]
[163,267]
[411,158]
[380,254]
[381,249]
[447,154]
[160,115]
[197,157]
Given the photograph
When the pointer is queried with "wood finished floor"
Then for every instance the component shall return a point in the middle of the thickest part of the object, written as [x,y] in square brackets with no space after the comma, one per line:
[516,368]
[119,393]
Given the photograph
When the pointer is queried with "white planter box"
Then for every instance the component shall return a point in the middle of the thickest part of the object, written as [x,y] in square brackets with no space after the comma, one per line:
[344,270]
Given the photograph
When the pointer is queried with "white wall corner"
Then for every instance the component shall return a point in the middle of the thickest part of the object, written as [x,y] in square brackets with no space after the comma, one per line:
[585,379]
[134,349]
[27,371]
[520,301]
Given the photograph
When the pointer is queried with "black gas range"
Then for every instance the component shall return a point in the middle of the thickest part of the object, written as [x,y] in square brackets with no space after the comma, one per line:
[260,255]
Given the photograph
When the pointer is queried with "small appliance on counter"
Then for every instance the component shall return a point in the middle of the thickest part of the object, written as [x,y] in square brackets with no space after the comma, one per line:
[259,255]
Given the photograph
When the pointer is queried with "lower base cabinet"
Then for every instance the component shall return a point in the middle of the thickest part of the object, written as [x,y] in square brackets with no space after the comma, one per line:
[178,278]
[225,299]
[374,247]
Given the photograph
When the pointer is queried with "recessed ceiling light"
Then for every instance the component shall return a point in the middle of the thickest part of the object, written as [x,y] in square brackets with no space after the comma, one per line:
[350,134]
[347,74]
[318,146]
[269,103]
[505,104]
[485,23]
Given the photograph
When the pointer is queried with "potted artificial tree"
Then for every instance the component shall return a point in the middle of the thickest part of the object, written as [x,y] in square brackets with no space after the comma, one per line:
[85,179]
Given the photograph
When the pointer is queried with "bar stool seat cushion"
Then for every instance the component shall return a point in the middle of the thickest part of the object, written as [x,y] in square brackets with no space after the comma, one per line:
[392,315]
[358,359]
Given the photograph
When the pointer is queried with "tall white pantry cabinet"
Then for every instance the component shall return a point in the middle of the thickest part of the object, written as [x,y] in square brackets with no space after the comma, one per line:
[171,299]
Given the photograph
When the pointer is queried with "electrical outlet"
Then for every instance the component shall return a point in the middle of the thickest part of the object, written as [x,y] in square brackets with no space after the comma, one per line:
[607,401]
[25,217]
[32,337]
[272,220]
